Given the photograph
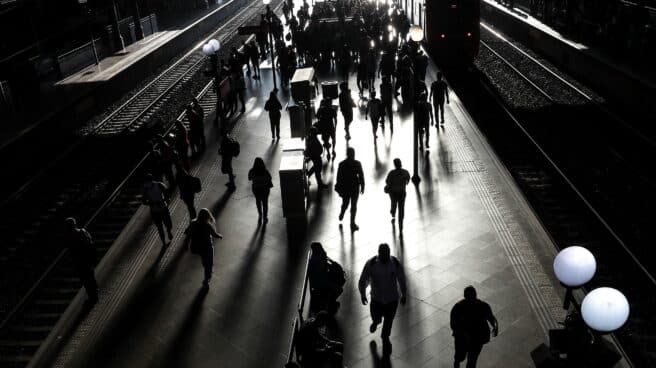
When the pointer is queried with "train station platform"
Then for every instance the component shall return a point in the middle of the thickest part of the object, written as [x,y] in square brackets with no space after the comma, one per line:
[625,81]
[467,223]
[81,95]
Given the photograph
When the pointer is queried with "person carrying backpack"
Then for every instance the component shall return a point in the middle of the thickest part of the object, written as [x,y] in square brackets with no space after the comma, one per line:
[346,105]
[326,278]
[273,106]
[155,196]
[189,185]
[262,185]
[313,151]
[83,254]
[228,150]
[395,184]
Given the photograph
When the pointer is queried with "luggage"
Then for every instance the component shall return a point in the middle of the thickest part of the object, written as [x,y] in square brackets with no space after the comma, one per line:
[329,89]
[302,84]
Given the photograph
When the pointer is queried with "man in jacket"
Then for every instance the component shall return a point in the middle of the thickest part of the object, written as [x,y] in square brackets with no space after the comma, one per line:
[396,182]
[469,323]
[350,184]
[385,274]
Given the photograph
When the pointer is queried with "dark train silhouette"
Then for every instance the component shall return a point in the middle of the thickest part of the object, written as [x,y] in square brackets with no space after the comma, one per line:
[453,31]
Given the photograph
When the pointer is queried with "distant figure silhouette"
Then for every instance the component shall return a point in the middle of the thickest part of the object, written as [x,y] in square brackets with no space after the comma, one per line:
[314,349]
[189,185]
[313,151]
[262,184]
[83,254]
[375,112]
[423,115]
[228,150]
[439,92]
[199,241]
[386,276]
[469,322]
[273,106]
[155,196]
[346,105]
[326,279]
[327,124]
[350,184]
[396,182]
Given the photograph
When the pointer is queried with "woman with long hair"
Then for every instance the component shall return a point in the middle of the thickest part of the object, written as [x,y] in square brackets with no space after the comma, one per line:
[201,233]
[262,184]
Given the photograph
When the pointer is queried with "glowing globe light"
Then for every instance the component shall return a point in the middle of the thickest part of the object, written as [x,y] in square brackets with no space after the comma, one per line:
[215,44]
[574,266]
[266,2]
[605,309]
[208,49]
[416,33]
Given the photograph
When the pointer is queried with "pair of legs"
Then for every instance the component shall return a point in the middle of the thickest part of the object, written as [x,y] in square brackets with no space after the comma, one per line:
[262,203]
[275,126]
[162,218]
[383,312]
[207,260]
[348,119]
[256,68]
[317,167]
[466,350]
[189,202]
[438,107]
[240,93]
[226,168]
[423,129]
[326,138]
[387,107]
[88,279]
[398,201]
[197,143]
[375,120]
[361,84]
[352,199]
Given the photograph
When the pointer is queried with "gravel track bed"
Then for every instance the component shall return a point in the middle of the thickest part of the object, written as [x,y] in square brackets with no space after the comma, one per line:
[515,91]
[537,73]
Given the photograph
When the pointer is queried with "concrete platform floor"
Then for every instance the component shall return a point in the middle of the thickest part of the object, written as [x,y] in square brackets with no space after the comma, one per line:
[466,223]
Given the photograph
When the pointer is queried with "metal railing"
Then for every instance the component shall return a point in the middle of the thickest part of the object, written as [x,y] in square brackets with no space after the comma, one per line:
[298,320]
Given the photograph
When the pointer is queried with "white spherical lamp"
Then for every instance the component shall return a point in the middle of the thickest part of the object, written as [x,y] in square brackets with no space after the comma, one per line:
[266,2]
[575,266]
[416,33]
[215,44]
[605,309]
[208,49]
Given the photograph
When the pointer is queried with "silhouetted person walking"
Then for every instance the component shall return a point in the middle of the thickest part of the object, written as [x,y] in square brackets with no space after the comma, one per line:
[350,184]
[262,184]
[327,124]
[313,151]
[375,112]
[189,185]
[346,105]
[439,92]
[273,106]
[386,97]
[228,150]
[423,116]
[196,131]
[155,196]
[385,274]
[469,322]
[396,182]
[83,254]
[326,279]
[200,242]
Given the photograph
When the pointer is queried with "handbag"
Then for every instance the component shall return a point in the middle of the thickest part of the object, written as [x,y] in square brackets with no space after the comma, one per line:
[386,189]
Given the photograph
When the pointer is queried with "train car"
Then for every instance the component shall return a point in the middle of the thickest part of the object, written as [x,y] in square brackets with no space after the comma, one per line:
[453,31]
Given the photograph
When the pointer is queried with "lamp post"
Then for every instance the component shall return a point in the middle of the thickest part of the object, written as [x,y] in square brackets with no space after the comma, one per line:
[416,35]
[87,10]
[211,49]
[574,267]
[273,64]
[603,310]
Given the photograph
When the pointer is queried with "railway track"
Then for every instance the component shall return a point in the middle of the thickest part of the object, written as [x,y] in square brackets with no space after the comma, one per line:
[570,197]
[82,182]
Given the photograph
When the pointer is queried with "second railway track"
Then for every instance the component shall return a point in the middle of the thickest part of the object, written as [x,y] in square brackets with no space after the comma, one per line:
[540,141]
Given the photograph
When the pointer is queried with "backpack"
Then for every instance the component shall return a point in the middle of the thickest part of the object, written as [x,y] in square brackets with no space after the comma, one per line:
[232,147]
[336,273]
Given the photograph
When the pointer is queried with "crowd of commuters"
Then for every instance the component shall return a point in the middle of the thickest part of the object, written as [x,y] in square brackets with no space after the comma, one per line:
[372,52]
